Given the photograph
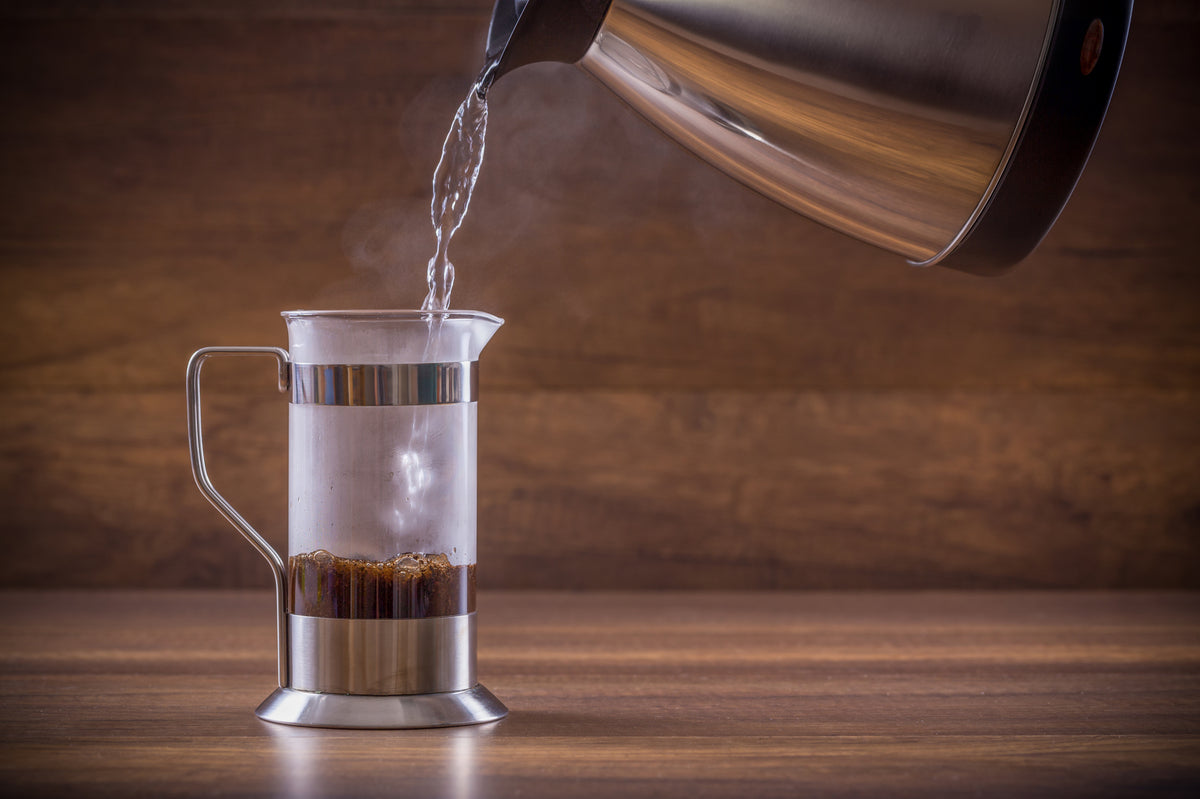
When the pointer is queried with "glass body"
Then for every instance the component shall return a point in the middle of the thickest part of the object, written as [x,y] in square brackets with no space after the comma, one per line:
[382,491]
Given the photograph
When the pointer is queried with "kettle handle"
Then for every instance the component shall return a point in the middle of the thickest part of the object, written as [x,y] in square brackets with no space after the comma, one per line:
[196,447]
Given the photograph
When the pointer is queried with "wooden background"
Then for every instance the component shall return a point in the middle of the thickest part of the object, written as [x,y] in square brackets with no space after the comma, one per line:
[695,387]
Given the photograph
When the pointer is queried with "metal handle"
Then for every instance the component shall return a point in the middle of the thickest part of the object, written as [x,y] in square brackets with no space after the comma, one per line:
[196,446]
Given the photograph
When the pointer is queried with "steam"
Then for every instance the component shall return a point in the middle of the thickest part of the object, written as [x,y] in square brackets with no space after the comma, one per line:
[568,165]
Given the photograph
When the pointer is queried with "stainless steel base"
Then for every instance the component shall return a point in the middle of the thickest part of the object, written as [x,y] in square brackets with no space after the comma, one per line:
[383,657]
[475,705]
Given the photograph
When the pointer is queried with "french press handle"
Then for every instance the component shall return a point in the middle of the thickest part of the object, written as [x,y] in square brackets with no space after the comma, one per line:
[196,447]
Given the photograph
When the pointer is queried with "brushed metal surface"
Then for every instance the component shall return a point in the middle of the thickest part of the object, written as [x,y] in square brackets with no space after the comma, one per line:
[475,705]
[382,656]
[888,121]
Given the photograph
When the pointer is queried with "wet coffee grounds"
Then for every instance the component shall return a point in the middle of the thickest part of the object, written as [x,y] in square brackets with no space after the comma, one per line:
[409,586]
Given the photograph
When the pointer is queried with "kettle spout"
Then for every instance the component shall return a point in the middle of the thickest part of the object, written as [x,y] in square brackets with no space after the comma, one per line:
[527,31]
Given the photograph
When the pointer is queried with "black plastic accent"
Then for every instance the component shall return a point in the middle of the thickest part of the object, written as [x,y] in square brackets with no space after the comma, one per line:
[1054,146]
[527,31]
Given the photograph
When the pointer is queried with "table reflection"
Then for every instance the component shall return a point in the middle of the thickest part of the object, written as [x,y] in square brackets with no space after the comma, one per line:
[311,762]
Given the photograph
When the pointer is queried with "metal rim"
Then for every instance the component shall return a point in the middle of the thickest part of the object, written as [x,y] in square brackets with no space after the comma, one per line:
[1056,137]
[1013,142]
[476,705]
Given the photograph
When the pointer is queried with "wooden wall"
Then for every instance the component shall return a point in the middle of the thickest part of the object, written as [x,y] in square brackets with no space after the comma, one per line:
[694,388]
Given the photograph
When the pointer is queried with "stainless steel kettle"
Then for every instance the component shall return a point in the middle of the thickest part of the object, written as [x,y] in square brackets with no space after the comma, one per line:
[948,131]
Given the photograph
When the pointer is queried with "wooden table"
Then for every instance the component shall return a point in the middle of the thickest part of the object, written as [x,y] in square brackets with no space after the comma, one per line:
[647,694]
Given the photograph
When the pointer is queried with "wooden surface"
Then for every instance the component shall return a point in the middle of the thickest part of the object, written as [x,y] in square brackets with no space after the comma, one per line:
[740,397]
[674,490]
[631,694]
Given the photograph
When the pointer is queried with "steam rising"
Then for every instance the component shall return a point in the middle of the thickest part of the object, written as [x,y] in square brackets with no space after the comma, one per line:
[573,175]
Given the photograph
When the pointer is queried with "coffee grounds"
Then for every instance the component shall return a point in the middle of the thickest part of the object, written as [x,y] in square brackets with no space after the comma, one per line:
[409,586]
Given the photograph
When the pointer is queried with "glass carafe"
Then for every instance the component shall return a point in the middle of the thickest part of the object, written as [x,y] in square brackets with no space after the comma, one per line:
[376,601]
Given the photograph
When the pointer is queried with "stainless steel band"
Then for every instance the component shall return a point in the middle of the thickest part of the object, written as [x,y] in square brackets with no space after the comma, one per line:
[380,657]
[385,384]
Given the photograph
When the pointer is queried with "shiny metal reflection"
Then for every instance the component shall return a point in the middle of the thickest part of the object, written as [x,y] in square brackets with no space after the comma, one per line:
[887,121]
[382,656]
[476,705]
[362,385]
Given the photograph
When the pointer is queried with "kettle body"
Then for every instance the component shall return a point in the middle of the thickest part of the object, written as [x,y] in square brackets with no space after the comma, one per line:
[947,131]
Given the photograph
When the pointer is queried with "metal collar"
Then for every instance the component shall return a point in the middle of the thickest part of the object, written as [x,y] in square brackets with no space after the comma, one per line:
[385,384]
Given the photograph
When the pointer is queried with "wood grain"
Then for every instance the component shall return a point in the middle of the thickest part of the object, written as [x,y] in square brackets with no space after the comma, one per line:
[673,490]
[634,694]
[175,174]
[215,179]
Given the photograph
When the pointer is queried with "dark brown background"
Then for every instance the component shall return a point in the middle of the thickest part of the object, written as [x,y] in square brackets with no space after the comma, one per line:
[695,387]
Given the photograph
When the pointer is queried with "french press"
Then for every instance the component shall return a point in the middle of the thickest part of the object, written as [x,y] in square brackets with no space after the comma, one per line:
[376,601]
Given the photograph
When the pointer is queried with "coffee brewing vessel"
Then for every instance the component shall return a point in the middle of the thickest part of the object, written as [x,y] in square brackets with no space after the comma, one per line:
[376,599]
[949,131]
